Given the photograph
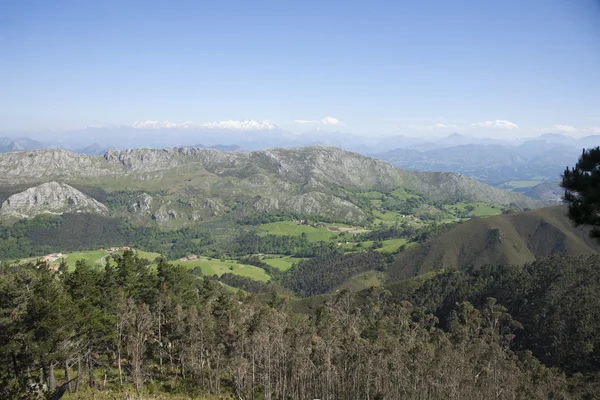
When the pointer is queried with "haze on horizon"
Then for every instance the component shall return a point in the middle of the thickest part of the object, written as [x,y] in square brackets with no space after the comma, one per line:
[507,69]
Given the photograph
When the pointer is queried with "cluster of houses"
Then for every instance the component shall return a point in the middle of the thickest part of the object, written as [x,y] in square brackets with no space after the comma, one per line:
[189,258]
[113,249]
[52,257]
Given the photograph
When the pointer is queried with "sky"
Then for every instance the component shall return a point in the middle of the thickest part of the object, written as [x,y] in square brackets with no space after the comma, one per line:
[511,68]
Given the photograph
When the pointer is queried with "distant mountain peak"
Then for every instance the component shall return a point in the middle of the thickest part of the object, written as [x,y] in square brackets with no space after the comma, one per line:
[555,136]
[162,125]
[245,125]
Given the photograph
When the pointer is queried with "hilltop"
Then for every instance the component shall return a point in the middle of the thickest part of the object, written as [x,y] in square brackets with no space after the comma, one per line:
[177,186]
[505,239]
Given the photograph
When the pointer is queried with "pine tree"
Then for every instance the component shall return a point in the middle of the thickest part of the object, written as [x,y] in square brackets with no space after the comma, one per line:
[582,190]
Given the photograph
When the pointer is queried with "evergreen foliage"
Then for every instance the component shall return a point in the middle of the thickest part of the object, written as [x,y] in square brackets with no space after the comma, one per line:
[582,189]
[555,299]
[127,326]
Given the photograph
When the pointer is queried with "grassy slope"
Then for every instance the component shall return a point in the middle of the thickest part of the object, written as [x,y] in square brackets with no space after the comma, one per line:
[90,257]
[93,257]
[219,267]
[506,239]
[282,263]
[362,281]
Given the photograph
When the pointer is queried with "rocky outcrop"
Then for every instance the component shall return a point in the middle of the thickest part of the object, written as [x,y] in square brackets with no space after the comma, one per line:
[314,203]
[141,205]
[163,214]
[50,198]
[40,166]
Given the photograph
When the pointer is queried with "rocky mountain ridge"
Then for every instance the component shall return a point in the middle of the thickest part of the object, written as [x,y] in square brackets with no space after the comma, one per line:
[50,198]
[308,180]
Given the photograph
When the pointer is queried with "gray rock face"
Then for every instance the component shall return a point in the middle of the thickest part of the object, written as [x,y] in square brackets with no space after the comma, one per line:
[162,214]
[51,164]
[313,203]
[50,198]
[141,205]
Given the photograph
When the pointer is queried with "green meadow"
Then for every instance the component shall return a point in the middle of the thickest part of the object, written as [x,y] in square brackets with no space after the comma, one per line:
[282,263]
[219,267]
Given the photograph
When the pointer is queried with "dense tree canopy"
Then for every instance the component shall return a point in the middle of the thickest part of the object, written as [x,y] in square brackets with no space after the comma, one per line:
[582,189]
[130,327]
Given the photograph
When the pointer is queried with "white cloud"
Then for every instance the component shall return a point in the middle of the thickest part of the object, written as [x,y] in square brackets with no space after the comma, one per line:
[432,127]
[594,130]
[162,125]
[305,121]
[246,125]
[497,124]
[330,121]
[324,121]
[565,128]
[444,126]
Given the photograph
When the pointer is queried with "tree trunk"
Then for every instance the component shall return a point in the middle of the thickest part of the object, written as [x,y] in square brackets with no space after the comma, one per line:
[68,376]
[90,365]
[78,373]
[160,343]
[51,379]
[119,365]
[29,376]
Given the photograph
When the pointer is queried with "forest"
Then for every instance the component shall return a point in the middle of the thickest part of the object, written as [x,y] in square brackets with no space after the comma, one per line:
[491,333]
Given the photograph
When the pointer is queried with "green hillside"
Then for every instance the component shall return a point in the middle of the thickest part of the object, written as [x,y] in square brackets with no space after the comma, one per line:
[516,238]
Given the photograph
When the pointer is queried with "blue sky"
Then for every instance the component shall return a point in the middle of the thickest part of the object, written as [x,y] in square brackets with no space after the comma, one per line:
[420,68]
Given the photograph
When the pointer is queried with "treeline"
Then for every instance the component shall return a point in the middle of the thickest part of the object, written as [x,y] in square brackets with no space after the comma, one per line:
[68,232]
[407,231]
[555,299]
[72,232]
[328,269]
[126,326]
[248,284]
[249,242]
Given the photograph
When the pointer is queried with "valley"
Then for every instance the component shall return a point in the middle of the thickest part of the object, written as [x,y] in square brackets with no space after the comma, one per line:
[296,200]
[290,236]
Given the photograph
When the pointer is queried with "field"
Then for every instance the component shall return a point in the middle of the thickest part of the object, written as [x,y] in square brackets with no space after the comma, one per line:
[219,267]
[208,266]
[402,194]
[387,215]
[147,255]
[362,281]
[90,257]
[282,263]
[392,245]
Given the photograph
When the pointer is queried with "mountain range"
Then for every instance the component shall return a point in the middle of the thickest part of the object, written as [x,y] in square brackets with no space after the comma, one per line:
[255,135]
[178,186]
[517,165]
